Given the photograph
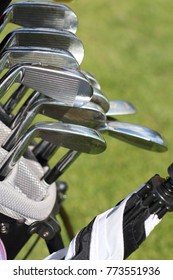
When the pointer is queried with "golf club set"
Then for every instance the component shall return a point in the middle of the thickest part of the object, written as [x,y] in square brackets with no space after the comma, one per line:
[42,77]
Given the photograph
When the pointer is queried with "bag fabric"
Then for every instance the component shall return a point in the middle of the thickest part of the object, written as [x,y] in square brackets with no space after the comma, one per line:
[107,237]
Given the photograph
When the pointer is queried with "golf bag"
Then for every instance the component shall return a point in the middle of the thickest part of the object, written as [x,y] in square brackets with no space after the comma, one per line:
[29,204]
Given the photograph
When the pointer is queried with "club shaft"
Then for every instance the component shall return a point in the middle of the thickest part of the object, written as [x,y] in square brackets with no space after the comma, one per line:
[43,150]
[14,99]
[53,175]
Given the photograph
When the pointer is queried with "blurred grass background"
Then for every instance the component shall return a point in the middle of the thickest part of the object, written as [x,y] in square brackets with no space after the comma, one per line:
[128,48]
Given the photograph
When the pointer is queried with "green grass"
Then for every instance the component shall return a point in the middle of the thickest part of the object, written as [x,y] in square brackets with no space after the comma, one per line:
[128,48]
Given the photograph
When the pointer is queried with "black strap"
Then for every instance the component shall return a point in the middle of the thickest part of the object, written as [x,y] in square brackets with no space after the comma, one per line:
[134,233]
[83,243]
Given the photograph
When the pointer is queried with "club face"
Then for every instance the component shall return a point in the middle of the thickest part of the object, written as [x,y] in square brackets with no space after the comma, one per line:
[136,135]
[62,84]
[120,107]
[18,56]
[41,15]
[44,38]
[70,136]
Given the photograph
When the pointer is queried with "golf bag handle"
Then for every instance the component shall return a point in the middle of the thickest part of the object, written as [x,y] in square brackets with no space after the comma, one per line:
[157,194]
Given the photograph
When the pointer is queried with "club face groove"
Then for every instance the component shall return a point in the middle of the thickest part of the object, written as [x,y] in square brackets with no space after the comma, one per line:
[41,15]
[65,85]
[57,83]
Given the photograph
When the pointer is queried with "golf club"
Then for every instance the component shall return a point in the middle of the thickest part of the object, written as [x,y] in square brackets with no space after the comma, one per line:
[89,115]
[15,56]
[40,15]
[70,136]
[120,107]
[43,151]
[52,175]
[100,99]
[20,55]
[92,79]
[134,134]
[14,99]
[44,38]
[66,85]
[98,104]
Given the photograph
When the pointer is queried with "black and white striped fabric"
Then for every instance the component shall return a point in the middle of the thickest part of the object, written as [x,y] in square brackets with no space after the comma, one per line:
[114,234]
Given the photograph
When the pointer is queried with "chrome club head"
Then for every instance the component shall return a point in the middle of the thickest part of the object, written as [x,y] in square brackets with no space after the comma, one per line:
[40,15]
[100,99]
[65,85]
[134,134]
[120,107]
[28,56]
[70,136]
[20,55]
[44,38]
[92,79]
[90,115]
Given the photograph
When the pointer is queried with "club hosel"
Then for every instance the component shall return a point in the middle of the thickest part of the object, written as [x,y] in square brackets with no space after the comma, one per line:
[5,18]
[6,167]
[17,95]
[4,60]
[15,154]
[19,128]
[18,131]
[23,112]
[15,74]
